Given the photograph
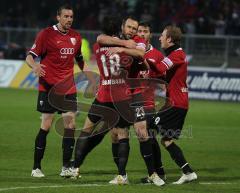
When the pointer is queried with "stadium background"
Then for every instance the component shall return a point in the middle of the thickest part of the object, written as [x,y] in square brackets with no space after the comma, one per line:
[211,133]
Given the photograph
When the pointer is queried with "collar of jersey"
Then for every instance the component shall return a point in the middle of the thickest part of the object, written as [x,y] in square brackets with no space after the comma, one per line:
[171,48]
[56,28]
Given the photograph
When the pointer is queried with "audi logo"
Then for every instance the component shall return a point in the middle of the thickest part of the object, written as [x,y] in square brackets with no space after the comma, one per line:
[67,51]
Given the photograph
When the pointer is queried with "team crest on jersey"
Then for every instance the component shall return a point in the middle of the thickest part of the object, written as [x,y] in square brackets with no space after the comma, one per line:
[74,41]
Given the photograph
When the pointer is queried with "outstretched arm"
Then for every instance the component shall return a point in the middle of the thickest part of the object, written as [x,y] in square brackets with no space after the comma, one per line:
[113,41]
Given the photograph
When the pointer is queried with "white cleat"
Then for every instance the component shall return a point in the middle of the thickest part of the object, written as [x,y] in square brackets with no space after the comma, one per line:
[66,172]
[74,173]
[37,173]
[186,178]
[119,180]
[155,179]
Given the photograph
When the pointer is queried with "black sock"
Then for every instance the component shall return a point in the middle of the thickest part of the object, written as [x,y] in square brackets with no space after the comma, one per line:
[95,140]
[40,144]
[177,155]
[157,157]
[146,151]
[68,143]
[123,152]
[81,149]
[115,153]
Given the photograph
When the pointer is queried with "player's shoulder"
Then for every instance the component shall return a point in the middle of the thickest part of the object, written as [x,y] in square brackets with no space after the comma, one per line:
[177,55]
[74,32]
[48,29]
[96,46]
[178,52]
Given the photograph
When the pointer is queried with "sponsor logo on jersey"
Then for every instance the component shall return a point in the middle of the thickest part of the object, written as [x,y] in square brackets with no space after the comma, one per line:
[67,51]
[74,41]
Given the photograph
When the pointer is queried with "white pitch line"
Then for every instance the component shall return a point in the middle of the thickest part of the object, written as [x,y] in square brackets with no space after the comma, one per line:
[52,186]
[96,185]
[217,183]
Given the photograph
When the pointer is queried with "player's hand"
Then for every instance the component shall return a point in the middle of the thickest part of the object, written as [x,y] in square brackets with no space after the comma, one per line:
[38,70]
[114,50]
[130,44]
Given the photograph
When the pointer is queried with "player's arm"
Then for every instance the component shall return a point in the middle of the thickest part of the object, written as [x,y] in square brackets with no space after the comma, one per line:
[136,53]
[38,49]
[83,67]
[79,60]
[166,64]
[37,68]
[112,41]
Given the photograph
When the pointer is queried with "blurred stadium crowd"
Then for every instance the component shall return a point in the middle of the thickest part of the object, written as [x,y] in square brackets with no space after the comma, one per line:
[194,16]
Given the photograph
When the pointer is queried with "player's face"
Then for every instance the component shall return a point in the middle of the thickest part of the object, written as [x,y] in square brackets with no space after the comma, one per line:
[65,19]
[164,40]
[144,32]
[129,29]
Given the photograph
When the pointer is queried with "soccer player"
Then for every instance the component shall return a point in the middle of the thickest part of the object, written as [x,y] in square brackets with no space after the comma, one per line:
[112,82]
[120,141]
[144,31]
[57,46]
[171,120]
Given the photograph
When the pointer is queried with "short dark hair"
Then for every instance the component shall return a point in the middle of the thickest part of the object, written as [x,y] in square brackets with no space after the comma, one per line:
[65,6]
[174,33]
[111,25]
[128,17]
[145,24]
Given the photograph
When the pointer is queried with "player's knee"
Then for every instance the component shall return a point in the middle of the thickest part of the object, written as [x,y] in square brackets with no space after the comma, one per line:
[114,135]
[166,142]
[123,133]
[141,131]
[46,122]
[46,125]
[69,120]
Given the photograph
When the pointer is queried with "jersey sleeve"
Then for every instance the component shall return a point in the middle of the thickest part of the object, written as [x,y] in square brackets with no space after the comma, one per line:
[169,62]
[39,46]
[160,56]
[141,43]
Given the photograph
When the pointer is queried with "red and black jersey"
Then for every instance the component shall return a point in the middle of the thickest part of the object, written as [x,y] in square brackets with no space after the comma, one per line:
[175,65]
[57,51]
[113,85]
[148,92]
[136,64]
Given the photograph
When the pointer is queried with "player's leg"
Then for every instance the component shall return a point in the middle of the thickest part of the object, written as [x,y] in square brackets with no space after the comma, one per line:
[177,155]
[47,117]
[40,143]
[68,142]
[115,145]
[120,135]
[171,122]
[147,152]
[155,147]
[89,138]
[82,143]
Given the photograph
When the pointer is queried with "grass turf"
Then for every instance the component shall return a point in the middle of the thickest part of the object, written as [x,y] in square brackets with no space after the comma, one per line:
[210,143]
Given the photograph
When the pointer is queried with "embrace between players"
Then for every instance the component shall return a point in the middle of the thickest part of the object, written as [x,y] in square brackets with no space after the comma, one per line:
[130,70]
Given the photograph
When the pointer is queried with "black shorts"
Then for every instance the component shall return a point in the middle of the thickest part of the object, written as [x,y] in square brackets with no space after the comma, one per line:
[150,114]
[137,105]
[117,114]
[170,122]
[56,103]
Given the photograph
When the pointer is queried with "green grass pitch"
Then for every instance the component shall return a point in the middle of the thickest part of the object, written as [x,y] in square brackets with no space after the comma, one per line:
[210,143]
